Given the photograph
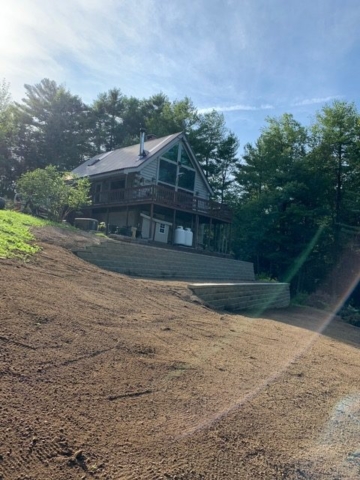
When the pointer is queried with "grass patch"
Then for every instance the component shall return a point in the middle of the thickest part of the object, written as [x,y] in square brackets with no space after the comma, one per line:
[16,240]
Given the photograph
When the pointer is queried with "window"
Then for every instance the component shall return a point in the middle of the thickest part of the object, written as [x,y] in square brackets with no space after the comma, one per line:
[184,158]
[172,154]
[167,172]
[176,169]
[186,178]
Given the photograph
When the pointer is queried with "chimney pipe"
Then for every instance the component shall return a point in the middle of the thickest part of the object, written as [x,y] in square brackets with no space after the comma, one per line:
[142,142]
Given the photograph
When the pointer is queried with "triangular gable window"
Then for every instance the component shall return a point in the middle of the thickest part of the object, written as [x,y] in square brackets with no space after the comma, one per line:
[176,169]
[184,158]
[172,154]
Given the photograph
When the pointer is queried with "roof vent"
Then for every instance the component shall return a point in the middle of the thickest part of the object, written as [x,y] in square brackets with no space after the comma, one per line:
[94,162]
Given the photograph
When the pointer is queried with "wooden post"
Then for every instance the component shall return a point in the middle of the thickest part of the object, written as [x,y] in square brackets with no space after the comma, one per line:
[127,215]
[152,233]
[174,226]
[210,231]
[196,233]
[229,239]
[107,221]
[216,237]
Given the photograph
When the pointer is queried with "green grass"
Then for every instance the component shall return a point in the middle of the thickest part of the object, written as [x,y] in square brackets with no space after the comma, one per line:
[16,240]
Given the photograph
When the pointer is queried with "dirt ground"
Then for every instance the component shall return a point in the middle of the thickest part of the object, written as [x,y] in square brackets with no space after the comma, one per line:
[108,377]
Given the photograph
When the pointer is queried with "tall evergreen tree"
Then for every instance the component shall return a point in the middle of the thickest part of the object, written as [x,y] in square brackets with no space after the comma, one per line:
[9,167]
[216,149]
[54,127]
[279,214]
[335,155]
[335,158]
[108,118]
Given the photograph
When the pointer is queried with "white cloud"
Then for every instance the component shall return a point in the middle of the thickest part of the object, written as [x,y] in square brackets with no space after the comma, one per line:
[236,108]
[238,56]
[314,101]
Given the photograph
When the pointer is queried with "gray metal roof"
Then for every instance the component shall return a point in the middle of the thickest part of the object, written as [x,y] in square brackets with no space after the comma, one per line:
[123,158]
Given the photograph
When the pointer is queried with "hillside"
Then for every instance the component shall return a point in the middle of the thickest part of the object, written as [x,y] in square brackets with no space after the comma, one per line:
[108,377]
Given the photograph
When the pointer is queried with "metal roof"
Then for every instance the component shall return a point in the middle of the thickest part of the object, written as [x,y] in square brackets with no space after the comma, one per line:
[123,158]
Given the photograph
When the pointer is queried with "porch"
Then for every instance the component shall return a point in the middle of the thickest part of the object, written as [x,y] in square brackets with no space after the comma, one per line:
[163,197]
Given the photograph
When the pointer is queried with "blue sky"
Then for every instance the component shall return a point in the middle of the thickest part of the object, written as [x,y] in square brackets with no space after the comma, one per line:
[247,58]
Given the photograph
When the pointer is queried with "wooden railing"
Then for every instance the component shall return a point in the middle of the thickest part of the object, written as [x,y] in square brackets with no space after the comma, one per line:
[163,196]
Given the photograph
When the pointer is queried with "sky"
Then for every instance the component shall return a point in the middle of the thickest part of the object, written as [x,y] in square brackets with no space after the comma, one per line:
[249,59]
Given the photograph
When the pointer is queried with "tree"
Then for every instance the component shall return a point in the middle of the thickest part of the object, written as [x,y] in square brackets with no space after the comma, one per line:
[335,158]
[108,117]
[216,150]
[205,137]
[335,153]
[9,167]
[54,127]
[282,144]
[227,163]
[58,193]
[280,216]
[164,117]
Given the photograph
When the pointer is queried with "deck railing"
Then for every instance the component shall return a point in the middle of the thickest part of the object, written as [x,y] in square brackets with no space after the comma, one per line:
[160,195]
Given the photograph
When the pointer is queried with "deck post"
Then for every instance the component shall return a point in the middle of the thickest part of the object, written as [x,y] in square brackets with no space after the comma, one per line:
[196,232]
[174,227]
[107,222]
[152,233]
[229,237]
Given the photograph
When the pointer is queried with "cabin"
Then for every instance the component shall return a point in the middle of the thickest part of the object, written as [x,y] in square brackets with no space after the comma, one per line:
[156,191]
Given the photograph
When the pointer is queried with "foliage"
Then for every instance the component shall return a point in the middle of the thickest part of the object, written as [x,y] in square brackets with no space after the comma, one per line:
[300,299]
[57,193]
[350,315]
[108,111]
[16,240]
[284,220]
[9,168]
[264,277]
[54,127]
[216,150]
[294,192]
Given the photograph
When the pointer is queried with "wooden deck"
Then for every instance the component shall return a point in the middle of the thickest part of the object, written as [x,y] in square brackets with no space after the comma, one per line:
[158,195]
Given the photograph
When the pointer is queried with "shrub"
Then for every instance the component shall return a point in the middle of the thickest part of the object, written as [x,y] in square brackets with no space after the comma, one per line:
[53,191]
[350,315]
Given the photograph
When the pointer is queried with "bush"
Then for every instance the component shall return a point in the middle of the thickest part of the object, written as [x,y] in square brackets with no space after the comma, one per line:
[300,299]
[350,315]
[56,193]
[264,277]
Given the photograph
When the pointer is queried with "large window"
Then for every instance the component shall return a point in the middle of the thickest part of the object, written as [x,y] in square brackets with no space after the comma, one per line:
[176,169]
[186,178]
[167,172]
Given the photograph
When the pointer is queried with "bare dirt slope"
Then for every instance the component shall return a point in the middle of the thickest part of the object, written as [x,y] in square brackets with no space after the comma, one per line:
[108,377]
